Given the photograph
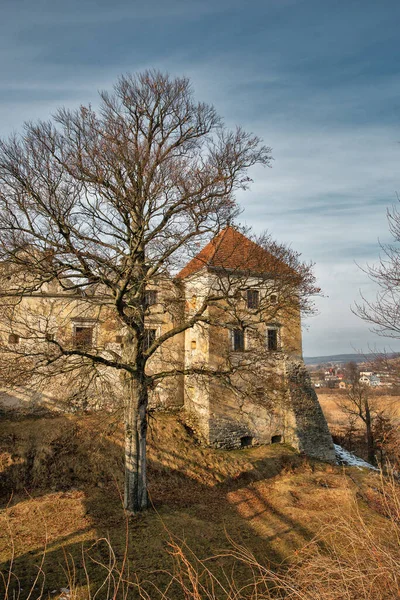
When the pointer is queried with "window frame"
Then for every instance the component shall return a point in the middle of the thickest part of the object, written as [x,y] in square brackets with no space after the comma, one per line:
[150,298]
[83,344]
[277,344]
[146,342]
[242,335]
[252,299]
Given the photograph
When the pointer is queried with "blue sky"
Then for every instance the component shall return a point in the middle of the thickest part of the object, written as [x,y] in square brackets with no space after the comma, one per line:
[318,81]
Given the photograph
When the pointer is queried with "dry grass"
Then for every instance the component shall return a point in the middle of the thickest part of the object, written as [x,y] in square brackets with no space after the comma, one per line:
[348,559]
[268,499]
[336,417]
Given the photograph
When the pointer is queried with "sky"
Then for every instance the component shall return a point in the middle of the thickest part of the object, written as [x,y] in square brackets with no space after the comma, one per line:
[319,82]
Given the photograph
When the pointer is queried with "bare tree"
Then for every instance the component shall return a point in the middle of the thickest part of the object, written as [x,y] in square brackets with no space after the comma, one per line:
[383,313]
[358,401]
[110,204]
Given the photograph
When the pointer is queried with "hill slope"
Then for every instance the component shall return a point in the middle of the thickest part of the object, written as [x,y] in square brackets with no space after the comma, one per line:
[268,498]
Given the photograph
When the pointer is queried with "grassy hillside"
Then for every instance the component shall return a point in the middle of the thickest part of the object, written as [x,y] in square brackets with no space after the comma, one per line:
[61,481]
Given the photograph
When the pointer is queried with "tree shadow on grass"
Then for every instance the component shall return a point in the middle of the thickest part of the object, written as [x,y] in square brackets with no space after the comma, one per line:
[197,498]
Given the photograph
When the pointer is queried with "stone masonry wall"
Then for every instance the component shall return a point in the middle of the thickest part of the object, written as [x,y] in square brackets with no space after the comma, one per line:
[310,432]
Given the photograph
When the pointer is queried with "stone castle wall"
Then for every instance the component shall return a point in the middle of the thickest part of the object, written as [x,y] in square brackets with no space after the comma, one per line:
[272,400]
[309,430]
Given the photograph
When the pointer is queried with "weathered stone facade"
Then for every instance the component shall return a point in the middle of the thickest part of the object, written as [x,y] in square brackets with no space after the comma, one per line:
[267,397]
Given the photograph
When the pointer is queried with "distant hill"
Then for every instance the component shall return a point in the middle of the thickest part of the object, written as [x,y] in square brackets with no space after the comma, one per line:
[343,358]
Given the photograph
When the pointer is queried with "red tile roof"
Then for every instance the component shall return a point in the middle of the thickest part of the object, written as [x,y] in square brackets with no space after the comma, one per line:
[233,251]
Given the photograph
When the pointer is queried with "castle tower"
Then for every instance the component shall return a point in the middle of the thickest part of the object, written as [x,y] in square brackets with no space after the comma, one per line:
[249,384]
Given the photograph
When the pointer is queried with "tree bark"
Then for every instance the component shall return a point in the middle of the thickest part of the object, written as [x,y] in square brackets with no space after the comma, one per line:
[135,497]
[370,436]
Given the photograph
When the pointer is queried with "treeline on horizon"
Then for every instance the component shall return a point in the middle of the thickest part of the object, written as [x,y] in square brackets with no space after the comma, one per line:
[344,358]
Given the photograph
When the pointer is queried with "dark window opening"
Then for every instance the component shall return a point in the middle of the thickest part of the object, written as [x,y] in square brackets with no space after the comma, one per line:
[272,340]
[276,439]
[150,297]
[118,339]
[83,336]
[246,441]
[148,339]
[13,338]
[253,298]
[274,299]
[238,340]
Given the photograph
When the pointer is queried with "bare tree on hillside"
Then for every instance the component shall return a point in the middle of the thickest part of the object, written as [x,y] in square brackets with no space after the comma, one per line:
[104,204]
[383,313]
[358,401]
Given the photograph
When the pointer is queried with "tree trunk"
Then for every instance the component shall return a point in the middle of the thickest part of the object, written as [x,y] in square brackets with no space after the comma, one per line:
[370,436]
[135,498]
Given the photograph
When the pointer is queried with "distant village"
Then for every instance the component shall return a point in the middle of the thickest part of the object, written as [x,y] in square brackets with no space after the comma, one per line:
[335,375]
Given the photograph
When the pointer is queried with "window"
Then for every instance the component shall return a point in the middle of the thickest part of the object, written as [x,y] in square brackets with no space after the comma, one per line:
[253,298]
[83,336]
[49,337]
[118,339]
[274,299]
[272,339]
[13,338]
[150,297]
[238,340]
[193,344]
[148,338]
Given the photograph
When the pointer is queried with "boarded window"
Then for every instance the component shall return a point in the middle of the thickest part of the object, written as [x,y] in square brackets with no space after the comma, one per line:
[238,340]
[150,297]
[83,336]
[13,338]
[193,344]
[272,339]
[148,339]
[118,339]
[253,298]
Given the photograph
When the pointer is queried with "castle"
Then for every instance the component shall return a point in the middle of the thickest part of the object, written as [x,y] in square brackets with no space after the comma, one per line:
[238,373]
